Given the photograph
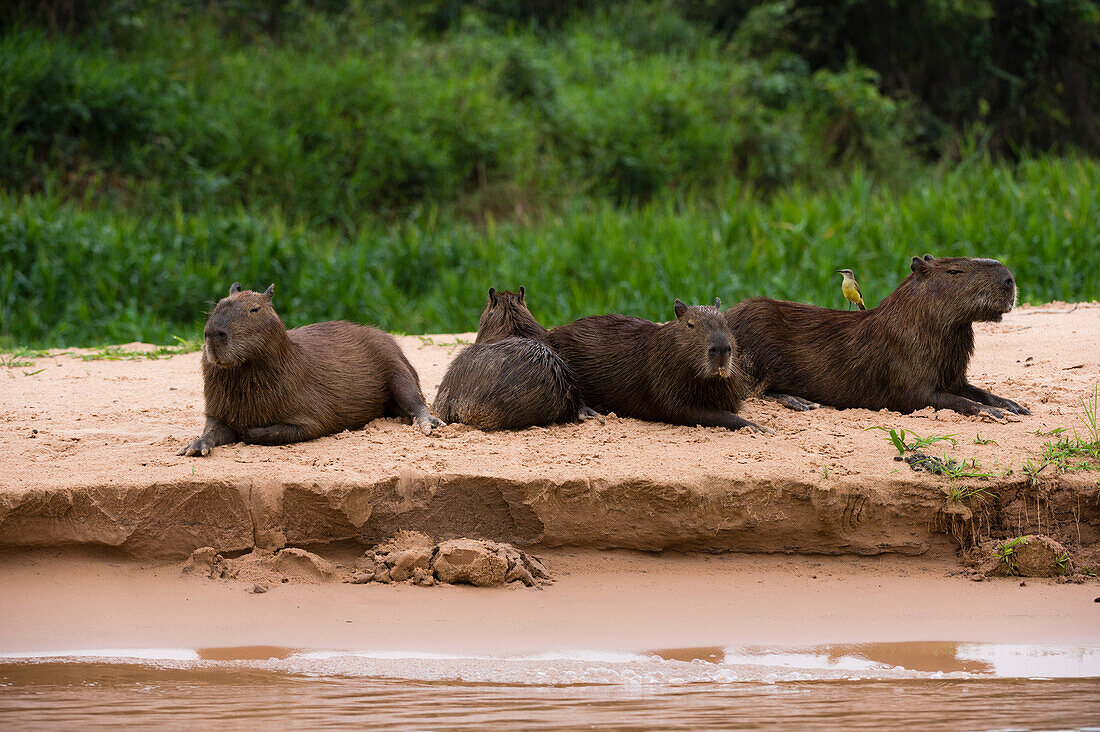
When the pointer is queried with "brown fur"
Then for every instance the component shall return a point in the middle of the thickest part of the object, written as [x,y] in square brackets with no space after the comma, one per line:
[683,372]
[266,385]
[910,352]
[510,378]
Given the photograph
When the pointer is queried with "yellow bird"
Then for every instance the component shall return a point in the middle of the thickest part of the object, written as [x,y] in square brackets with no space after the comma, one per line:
[850,288]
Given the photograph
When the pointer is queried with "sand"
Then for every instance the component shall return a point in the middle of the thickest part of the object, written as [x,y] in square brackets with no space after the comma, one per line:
[87,457]
[610,600]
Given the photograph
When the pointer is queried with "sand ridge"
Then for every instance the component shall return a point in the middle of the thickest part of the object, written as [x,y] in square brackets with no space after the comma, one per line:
[88,456]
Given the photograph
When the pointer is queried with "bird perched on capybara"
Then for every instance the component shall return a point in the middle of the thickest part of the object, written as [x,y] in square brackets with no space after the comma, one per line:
[910,352]
[510,377]
[266,385]
[682,372]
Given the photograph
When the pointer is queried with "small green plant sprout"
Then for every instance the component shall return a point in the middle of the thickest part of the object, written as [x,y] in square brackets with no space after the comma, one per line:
[1062,563]
[825,471]
[19,358]
[979,440]
[898,438]
[958,494]
[1006,552]
[1051,433]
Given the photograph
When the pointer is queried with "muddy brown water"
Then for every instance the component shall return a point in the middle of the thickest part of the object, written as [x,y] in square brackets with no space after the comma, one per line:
[857,686]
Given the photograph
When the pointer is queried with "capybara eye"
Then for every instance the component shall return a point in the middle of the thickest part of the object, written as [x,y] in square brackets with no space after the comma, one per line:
[691,324]
[254,309]
[954,271]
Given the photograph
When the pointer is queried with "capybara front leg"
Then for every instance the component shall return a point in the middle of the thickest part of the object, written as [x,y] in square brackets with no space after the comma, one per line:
[215,433]
[791,401]
[982,396]
[962,405]
[406,393]
[275,434]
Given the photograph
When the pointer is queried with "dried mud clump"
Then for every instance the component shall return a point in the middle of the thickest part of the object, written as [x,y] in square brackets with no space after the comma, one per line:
[1028,556]
[413,557]
[261,567]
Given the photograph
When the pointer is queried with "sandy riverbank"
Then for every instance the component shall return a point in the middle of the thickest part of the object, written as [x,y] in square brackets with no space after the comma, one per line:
[622,601]
[87,458]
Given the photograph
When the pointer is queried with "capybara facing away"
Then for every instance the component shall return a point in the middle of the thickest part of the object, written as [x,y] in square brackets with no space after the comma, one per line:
[266,385]
[684,372]
[910,352]
[509,378]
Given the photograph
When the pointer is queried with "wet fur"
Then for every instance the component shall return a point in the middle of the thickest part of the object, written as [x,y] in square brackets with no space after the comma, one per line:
[662,373]
[264,384]
[510,377]
[910,352]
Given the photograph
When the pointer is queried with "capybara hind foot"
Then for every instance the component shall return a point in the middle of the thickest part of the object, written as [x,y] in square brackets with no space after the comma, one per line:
[791,401]
[587,413]
[426,423]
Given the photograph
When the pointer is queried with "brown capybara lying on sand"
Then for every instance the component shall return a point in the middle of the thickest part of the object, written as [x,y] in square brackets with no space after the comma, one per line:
[510,378]
[683,372]
[908,353]
[266,385]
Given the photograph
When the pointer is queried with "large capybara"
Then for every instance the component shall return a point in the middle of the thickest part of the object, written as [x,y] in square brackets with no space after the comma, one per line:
[509,378]
[683,372]
[910,352]
[266,385]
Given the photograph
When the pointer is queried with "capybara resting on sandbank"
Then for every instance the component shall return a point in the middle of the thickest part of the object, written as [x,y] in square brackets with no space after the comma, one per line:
[683,372]
[908,353]
[510,378]
[266,385]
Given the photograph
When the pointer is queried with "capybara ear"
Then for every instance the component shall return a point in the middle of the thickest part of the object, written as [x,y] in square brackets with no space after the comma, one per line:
[235,287]
[522,293]
[269,292]
[918,264]
[718,304]
[492,296]
[928,257]
[680,308]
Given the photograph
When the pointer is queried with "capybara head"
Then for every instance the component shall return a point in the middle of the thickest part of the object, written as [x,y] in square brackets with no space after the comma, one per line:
[506,315]
[964,289]
[240,326]
[704,338]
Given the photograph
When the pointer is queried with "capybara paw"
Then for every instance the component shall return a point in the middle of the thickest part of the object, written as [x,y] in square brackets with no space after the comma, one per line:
[1013,406]
[759,428]
[198,447]
[588,413]
[427,424]
[993,412]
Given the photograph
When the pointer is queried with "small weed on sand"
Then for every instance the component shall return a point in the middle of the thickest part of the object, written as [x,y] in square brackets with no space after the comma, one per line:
[1006,552]
[979,440]
[898,438]
[1076,452]
[117,353]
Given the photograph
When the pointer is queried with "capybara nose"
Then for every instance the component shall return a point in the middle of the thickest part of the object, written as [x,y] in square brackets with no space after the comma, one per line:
[722,350]
[1009,282]
[211,334]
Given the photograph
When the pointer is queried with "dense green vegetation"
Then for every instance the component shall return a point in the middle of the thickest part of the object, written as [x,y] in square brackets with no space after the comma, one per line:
[387,162]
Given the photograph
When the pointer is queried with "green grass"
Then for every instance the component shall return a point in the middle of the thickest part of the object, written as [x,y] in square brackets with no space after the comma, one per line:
[1081,451]
[912,442]
[76,274]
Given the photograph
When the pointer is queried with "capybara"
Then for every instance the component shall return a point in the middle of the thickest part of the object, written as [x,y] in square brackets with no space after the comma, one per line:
[910,352]
[682,372]
[266,385]
[510,377]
